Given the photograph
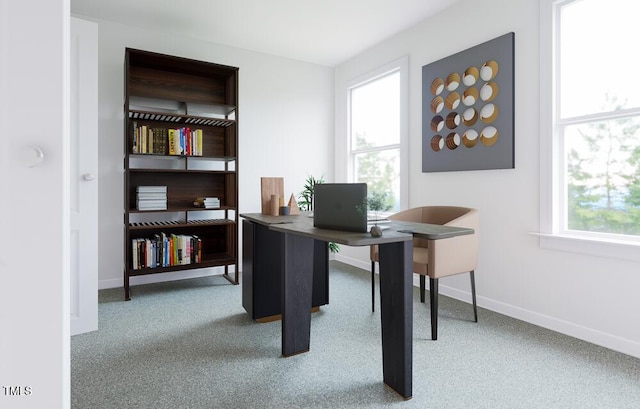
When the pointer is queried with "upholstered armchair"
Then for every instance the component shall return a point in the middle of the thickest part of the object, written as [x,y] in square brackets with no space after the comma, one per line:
[439,258]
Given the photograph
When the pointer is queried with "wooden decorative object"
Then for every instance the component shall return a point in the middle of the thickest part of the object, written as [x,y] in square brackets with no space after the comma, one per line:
[270,186]
[274,205]
[293,205]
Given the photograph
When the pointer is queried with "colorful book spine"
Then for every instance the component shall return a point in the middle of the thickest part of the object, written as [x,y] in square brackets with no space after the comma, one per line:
[162,141]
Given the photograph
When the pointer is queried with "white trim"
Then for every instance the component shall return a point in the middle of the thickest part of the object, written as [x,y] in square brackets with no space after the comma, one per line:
[402,65]
[356,262]
[599,116]
[552,202]
[599,247]
[547,162]
[623,345]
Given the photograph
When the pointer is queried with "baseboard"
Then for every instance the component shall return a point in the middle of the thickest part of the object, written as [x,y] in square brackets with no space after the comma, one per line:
[613,342]
[616,343]
[163,277]
[619,344]
[353,262]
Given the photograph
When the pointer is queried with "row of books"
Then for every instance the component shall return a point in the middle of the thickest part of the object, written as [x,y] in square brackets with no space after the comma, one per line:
[151,197]
[162,141]
[165,250]
[207,202]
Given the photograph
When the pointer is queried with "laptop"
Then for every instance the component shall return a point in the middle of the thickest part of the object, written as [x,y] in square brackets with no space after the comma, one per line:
[340,206]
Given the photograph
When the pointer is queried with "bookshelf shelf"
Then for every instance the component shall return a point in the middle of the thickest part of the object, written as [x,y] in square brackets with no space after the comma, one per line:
[215,260]
[176,224]
[175,157]
[180,119]
[181,147]
[174,209]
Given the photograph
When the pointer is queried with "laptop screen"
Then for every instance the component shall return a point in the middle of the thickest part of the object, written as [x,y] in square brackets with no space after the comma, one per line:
[340,206]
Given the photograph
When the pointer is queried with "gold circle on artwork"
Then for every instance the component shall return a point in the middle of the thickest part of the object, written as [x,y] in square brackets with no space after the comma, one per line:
[452,101]
[470,138]
[489,70]
[437,143]
[453,80]
[453,120]
[437,86]
[470,76]
[489,91]
[488,113]
[470,96]
[437,104]
[437,123]
[469,116]
[489,136]
[453,140]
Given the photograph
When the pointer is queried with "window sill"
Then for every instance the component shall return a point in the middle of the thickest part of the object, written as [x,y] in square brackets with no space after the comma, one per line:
[622,250]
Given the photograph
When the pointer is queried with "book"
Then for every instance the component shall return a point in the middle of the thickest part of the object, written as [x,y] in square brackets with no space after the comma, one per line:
[152,207]
[207,202]
[134,138]
[173,150]
[143,138]
[150,189]
[150,141]
[199,142]
[181,141]
[134,254]
[197,249]
[162,138]
[151,196]
[187,141]
[163,250]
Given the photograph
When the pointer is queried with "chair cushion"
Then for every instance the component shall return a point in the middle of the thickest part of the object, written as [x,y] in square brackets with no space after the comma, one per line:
[420,260]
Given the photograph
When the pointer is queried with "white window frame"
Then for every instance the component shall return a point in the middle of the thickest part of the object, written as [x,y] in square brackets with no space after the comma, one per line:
[400,65]
[552,201]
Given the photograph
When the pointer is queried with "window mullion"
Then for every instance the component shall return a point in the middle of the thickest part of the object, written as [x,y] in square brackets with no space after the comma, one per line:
[376,149]
[600,116]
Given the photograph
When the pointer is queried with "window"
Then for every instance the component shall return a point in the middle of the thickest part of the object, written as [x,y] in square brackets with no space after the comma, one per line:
[592,148]
[377,130]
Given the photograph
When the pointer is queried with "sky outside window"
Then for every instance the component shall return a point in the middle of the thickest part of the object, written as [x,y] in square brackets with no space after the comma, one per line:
[375,113]
[600,58]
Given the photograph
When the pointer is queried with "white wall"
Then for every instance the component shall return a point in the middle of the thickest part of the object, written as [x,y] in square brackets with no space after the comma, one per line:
[589,297]
[285,127]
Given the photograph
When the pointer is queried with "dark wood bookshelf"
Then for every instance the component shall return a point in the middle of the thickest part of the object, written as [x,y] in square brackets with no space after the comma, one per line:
[165,92]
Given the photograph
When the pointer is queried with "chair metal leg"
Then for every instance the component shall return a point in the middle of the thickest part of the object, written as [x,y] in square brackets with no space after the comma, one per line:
[373,286]
[433,298]
[473,295]
[422,287]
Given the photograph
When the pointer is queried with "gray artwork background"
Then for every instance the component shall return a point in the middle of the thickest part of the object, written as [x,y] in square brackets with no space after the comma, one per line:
[501,154]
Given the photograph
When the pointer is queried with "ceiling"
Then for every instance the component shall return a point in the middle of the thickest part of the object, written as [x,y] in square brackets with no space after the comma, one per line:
[325,32]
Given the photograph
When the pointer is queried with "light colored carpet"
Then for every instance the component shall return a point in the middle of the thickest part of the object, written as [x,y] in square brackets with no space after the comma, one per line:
[190,344]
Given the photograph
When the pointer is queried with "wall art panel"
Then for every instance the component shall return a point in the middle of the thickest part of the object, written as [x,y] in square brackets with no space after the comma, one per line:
[467,109]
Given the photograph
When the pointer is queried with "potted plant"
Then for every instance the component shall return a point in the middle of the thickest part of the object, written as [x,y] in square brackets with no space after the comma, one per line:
[377,202]
[305,202]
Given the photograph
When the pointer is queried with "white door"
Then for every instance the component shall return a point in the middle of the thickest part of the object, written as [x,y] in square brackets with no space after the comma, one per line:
[83,295]
[34,203]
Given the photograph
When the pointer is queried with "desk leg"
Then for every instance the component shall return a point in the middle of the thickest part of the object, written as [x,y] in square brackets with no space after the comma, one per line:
[297,286]
[396,311]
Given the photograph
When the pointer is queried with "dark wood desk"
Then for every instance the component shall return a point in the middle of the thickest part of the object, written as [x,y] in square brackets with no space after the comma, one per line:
[262,265]
[396,295]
